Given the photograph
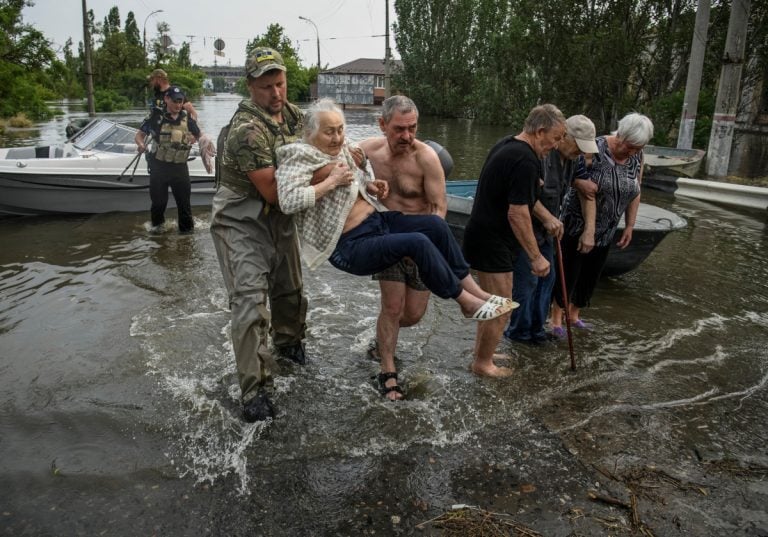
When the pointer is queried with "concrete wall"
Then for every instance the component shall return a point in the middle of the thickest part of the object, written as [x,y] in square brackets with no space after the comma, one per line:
[346,88]
[749,153]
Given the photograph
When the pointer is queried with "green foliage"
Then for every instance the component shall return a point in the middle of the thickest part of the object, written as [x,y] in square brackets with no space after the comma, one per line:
[297,76]
[132,34]
[241,88]
[24,53]
[704,117]
[219,84]
[191,81]
[665,112]
[21,44]
[114,58]
[273,38]
[111,22]
[20,92]
[184,58]
[494,60]
[109,101]
[20,120]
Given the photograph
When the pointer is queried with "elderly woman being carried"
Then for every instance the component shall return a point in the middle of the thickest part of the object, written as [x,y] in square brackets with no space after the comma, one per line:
[339,217]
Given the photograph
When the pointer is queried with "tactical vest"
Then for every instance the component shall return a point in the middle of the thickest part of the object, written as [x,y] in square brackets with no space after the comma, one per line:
[228,174]
[174,141]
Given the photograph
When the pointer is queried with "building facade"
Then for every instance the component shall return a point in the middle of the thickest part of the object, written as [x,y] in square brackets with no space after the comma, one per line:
[359,82]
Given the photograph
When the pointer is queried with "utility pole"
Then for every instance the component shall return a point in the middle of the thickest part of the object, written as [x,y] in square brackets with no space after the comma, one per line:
[693,84]
[144,39]
[724,120]
[88,68]
[387,57]
[317,36]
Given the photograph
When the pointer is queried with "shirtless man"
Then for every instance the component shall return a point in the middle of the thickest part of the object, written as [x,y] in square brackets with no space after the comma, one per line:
[416,186]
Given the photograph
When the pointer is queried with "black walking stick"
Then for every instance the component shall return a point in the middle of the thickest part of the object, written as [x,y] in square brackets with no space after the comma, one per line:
[133,171]
[135,162]
[566,305]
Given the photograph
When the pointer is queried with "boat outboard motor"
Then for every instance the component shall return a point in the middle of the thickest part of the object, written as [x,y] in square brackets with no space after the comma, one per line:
[446,161]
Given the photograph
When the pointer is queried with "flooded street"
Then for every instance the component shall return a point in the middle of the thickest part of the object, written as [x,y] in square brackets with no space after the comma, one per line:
[119,408]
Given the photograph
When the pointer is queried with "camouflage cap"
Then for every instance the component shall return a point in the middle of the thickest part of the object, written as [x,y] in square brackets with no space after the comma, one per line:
[263,59]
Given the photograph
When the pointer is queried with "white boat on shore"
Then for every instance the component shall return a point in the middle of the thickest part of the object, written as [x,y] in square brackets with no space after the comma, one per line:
[96,171]
[672,161]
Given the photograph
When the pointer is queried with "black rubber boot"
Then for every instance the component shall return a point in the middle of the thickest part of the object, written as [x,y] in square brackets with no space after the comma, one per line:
[294,353]
[258,408]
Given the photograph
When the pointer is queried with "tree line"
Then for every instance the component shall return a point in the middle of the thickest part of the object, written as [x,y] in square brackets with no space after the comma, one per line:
[31,73]
[491,60]
[495,59]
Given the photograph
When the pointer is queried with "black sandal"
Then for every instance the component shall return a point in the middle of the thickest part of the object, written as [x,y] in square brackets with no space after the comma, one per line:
[383,388]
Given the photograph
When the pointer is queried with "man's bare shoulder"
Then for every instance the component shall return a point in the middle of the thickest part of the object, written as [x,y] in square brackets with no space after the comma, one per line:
[371,145]
[426,157]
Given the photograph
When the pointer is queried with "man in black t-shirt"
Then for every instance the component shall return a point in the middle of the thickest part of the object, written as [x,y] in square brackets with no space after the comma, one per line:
[159,83]
[500,227]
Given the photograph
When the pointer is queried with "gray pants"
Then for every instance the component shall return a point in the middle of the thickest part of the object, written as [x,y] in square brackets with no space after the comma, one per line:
[258,253]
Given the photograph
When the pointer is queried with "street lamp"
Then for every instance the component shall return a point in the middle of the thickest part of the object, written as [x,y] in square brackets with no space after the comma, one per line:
[317,34]
[145,28]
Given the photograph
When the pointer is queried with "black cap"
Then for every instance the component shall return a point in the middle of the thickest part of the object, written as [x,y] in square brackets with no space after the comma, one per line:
[175,93]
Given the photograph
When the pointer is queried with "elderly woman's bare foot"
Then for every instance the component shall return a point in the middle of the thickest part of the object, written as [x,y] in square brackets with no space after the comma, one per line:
[491,370]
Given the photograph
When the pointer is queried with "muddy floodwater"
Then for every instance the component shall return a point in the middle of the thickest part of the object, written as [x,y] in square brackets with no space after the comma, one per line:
[119,408]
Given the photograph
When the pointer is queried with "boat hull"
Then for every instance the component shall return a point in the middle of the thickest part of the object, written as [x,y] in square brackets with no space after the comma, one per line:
[89,188]
[651,226]
[672,161]
[38,195]
[96,171]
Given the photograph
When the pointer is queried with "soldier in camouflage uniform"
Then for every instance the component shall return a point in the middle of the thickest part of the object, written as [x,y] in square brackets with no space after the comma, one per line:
[256,244]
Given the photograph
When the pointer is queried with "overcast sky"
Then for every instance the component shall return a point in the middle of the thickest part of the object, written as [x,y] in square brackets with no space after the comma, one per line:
[348,29]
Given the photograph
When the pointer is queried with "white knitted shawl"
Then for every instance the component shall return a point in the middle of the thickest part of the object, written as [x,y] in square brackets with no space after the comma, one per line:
[320,222]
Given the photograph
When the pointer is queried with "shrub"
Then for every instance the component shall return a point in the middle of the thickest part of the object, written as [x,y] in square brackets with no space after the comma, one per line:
[109,101]
[20,121]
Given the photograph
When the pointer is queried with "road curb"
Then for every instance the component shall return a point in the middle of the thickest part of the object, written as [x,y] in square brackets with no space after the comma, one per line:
[750,197]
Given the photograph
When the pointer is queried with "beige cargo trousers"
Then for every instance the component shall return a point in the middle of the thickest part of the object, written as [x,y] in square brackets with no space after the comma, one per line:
[258,252]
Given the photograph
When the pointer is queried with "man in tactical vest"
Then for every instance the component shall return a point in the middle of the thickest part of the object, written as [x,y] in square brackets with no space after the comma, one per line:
[173,132]
[256,244]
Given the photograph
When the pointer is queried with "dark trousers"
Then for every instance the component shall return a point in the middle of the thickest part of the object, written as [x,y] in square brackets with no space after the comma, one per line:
[582,271]
[534,295]
[175,177]
[383,239]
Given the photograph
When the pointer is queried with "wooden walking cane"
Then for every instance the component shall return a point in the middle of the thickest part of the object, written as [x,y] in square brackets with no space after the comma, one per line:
[566,305]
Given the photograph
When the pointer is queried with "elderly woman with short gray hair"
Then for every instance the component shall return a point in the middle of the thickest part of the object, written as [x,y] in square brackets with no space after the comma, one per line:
[339,218]
[616,171]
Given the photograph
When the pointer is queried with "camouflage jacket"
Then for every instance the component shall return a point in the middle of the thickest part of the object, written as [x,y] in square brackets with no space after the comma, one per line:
[252,143]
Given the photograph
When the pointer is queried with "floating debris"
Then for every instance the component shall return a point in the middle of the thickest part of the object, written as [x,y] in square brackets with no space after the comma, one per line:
[737,468]
[467,521]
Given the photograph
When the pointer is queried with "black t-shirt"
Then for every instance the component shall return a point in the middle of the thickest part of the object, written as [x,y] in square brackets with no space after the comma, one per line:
[511,175]
[158,104]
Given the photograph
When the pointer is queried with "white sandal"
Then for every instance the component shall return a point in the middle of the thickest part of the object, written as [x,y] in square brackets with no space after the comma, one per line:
[492,308]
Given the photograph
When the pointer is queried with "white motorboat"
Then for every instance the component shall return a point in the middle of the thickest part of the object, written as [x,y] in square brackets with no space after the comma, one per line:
[96,171]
